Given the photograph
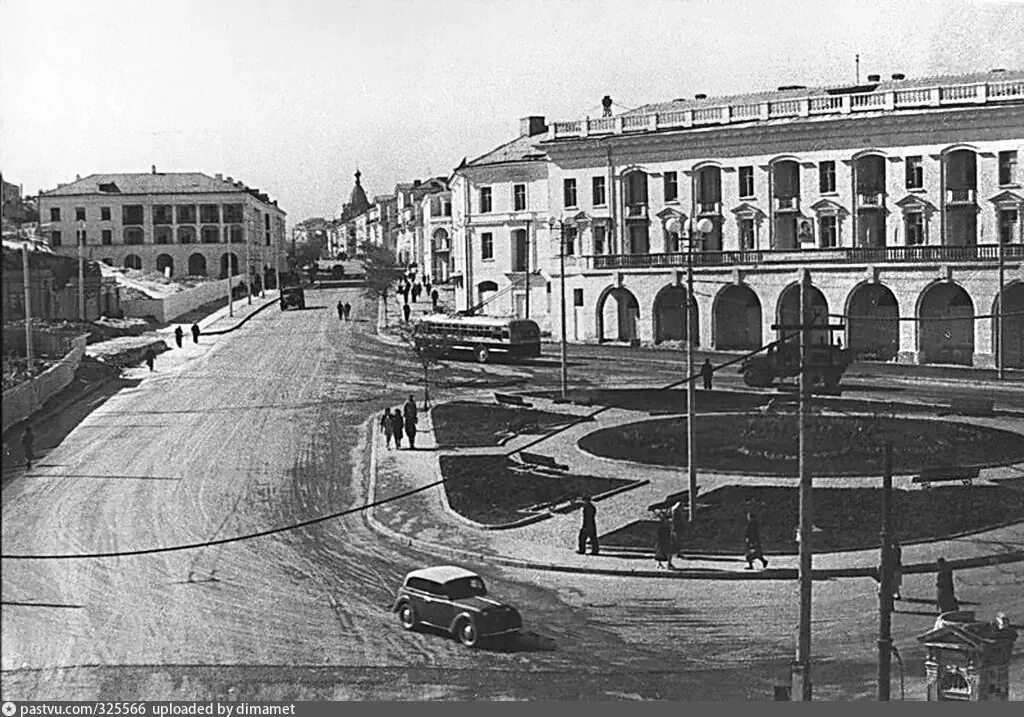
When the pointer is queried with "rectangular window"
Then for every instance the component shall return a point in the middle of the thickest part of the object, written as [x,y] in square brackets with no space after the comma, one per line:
[600,232]
[162,214]
[915,173]
[915,228]
[107,237]
[232,213]
[105,214]
[79,214]
[577,297]
[570,240]
[266,218]
[209,213]
[569,192]
[82,237]
[186,213]
[827,177]
[746,233]
[746,175]
[131,214]
[519,197]
[828,231]
[1008,226]
[1008,167]
[54,214]
[671,186]
[55,238]
[486,246]
[598,191]
[485,200]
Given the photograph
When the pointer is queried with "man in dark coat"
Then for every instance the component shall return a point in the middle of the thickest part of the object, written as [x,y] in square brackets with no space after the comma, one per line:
[348,310]
[150,357]
[589,530]
[406,311]
[752,538]
[341,311]
[195,333]
[28,446]
[179,334]
[397,426]
[706,373]
[433,298]
[945,594]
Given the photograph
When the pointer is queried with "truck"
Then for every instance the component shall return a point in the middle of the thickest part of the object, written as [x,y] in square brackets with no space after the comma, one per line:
[826,364]
[292,297]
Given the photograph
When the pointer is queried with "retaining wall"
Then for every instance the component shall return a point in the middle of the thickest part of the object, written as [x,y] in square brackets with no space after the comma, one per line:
[26,398]
[170,307]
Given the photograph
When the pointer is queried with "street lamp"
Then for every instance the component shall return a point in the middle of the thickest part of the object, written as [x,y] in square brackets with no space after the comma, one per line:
[81,270]
[561,280]
[678,225]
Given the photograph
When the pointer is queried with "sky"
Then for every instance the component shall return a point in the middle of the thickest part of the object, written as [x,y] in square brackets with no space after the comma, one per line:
[291,96]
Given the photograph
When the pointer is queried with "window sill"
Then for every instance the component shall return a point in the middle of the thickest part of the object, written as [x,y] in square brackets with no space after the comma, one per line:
[917,190]
[1013,185]
[672,201]
[830,195]
[752,198]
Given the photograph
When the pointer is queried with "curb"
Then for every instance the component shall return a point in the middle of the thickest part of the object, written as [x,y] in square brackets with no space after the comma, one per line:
[240,324]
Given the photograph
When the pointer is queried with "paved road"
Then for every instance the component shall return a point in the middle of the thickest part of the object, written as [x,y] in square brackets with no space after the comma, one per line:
[263,428]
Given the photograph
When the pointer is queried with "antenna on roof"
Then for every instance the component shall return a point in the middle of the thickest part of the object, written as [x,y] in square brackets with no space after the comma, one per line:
[856,62]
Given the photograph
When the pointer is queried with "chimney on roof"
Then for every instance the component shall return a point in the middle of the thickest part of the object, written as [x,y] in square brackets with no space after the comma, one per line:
[153,169]
[606,106]
[897,76]
[532,125]
[874,78]
[700,96]
[78,177]
[218,175]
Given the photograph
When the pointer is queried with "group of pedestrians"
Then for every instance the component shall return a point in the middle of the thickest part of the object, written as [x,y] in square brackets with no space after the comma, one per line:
[409,288]
[344,310]
[398,421]
[179,334]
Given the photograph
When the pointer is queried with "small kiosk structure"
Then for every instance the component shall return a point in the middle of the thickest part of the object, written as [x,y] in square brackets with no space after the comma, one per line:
[968,660]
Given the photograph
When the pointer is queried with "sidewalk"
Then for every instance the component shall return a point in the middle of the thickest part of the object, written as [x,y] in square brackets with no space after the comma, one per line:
[425,521]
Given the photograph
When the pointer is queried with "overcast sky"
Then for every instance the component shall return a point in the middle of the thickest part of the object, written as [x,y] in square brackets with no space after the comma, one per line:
[291,95]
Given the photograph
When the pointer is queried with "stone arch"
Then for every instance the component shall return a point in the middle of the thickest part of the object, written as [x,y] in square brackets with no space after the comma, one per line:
[197,265]
[1013,326]
[788,313]
[872,322]
[224,259]
[670,316]
[618,318]
[165,261]
[133,261]
[946,315]
[736,314]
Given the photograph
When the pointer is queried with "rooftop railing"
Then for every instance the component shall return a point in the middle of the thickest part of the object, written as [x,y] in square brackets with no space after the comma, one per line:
[817,105]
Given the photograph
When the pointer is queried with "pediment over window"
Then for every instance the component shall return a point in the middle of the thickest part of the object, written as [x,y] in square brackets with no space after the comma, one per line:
[1008,199]
[580,218]
[827,206]
[914,203]
[669,213]
[747,210]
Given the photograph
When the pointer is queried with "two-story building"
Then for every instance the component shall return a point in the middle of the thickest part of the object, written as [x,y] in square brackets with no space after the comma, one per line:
[180,223]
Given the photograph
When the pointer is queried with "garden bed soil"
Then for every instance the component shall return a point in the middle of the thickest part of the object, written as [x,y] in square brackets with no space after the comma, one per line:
[484,489]
[760,444]
[467,423]
[848,518]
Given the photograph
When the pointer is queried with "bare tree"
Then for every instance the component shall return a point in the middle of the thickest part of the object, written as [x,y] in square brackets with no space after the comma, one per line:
[430,350]
[381,270]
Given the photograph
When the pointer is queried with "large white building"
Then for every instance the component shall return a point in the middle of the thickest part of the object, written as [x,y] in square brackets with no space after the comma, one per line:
[179,223]
[902,198]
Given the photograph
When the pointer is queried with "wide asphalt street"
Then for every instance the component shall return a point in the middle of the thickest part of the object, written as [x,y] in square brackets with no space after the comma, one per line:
[265,427]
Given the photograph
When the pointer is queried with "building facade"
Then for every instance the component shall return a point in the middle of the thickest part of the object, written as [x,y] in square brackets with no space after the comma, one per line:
[436,210]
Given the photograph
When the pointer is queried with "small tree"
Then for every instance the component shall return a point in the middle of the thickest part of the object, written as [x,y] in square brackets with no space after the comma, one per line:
[381,272]
[430,349]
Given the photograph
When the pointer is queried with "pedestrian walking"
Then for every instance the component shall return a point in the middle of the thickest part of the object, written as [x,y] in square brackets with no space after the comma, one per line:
[588,532]
[195,333]
[406,312]
[410,431]
[397,427]
[706,373]
[663,540]
[409,409]
[415,292]
[348,310]
[385,424]
[341,311]
[433,298]
[150,357]
[945,592]
[752,538]
[28,446]
[179,334]
[679,519]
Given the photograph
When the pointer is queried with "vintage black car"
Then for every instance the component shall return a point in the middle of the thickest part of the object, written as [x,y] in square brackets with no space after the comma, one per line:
[293,296]
[453,599]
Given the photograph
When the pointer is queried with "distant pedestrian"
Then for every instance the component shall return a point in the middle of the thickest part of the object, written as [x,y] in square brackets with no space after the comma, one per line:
[195,333]
[415,292]
[385,424]
[406,312]
[409,409]
[588,532]
[150,357]
[179,334]
[410,431]
[679,519]
[397,427]
[348,310]
[426,285]
[752,537]
[433,298]
[945,597]
[706,373]
[341,311]
[28,446]
[663,540]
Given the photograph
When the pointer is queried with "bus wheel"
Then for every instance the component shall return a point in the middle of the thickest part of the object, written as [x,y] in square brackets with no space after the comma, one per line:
[482,354]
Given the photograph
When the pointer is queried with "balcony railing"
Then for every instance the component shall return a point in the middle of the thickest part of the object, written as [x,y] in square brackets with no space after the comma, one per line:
[937,95]
[636,211]
[988,253]
[960,196]
[784,204]
[870,199]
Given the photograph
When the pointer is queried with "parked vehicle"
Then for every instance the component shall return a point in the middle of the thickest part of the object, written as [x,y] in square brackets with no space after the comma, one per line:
[826,364]
[484,336]
[453,599]
[293,297]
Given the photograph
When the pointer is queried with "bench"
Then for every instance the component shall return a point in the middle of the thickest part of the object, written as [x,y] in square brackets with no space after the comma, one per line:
[972,407]
[511,400]
[544,461]
[941,474]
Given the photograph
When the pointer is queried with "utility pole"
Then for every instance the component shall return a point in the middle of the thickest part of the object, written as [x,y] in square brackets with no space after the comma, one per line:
[561,259]
[691,443]
[528,224]
[1000,350]
[228,258]
[885,576]
[248,267]
[801,673]
[81,271]
[28,302]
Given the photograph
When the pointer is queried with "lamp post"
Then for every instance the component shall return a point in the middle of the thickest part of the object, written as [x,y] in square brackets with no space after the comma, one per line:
[25,269]
[227,259]
[81,271]
[678,225]
[561,280]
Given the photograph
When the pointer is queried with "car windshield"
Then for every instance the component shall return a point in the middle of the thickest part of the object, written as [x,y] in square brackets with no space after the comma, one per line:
[465,587]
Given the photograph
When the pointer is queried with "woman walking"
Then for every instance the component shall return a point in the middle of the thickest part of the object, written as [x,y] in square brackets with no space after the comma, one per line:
[385,423]
[753,542]
[397,426]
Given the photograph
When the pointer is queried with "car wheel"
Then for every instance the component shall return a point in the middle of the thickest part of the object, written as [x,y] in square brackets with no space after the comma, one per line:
[465,630]
[407,615]
[482,354]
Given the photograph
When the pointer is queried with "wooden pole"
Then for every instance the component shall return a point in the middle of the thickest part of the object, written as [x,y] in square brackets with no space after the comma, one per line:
[885,587]
[802,690]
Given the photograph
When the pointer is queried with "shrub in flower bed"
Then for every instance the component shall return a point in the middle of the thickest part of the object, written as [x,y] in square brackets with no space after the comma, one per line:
[486,490]
[848,518]
[465,423]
